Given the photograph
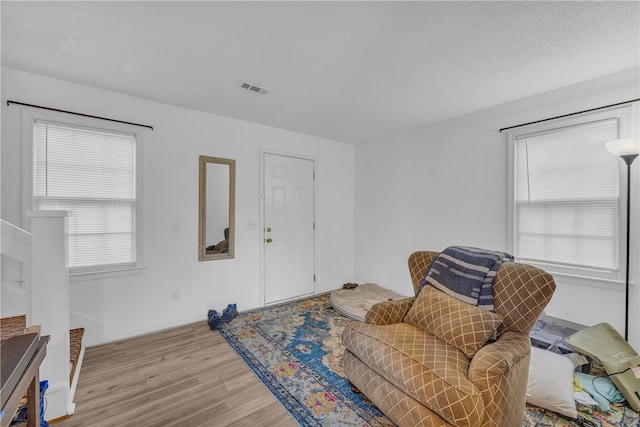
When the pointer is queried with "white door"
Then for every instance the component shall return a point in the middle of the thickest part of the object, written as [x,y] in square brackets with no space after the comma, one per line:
[288,227]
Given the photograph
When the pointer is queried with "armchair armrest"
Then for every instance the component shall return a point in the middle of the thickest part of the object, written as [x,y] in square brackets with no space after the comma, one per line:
[388,312]
[500,371]
[496,358]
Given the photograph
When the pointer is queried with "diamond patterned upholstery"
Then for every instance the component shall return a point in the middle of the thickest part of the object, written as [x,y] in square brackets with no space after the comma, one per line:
[419,262]
[388,312]
[462,325]
[417,379]
[428,370]
[398,406]
[520,293]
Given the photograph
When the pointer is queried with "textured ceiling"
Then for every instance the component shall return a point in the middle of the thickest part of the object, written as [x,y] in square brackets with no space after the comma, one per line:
[347,71]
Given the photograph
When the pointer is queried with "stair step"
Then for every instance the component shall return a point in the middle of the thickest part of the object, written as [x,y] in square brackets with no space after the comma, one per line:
[12,326]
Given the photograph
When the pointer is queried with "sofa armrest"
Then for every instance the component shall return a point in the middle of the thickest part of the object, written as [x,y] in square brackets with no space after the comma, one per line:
[388,312]
[500,370]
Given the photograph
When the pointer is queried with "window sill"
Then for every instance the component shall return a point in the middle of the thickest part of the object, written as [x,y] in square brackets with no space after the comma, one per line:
[81,276]
[573,279]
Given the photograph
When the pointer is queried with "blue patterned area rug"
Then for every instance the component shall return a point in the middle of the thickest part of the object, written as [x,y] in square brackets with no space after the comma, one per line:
[295,350]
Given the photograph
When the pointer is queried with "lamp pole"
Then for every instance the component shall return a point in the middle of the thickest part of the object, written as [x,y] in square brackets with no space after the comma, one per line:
[628,159]
[628,149]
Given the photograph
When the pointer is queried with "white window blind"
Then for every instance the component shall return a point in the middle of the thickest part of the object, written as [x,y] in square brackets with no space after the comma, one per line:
[92,174]
[566,210]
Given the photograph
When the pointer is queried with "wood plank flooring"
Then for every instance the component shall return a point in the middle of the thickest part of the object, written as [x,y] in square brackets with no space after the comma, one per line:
[187,376]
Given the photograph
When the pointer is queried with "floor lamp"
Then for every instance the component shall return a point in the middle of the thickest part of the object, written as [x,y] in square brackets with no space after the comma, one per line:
[628,149]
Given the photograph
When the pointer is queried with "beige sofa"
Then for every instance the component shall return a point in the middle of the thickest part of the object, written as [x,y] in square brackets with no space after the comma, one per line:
[425,361]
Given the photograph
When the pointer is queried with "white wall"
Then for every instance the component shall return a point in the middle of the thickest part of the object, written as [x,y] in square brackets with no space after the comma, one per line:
[427,189]
[120,307]
[446,184]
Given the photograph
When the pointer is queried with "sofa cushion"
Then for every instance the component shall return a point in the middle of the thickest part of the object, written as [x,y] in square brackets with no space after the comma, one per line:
[421,365]
[462,325]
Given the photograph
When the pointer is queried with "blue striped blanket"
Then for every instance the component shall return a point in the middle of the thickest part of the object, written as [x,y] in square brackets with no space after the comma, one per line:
[466,273]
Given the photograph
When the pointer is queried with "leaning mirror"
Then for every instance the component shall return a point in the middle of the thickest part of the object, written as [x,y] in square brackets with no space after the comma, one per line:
[217,208]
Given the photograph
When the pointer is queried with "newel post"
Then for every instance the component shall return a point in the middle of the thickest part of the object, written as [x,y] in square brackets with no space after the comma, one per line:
[48,304]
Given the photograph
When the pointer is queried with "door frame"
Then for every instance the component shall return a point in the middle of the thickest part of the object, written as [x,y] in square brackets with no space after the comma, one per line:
[261,220]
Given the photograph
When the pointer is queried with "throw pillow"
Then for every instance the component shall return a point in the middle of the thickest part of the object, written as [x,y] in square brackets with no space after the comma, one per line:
[461,325]
[550,384]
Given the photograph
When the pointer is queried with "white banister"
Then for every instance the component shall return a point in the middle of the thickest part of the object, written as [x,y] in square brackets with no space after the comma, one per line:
[16,243]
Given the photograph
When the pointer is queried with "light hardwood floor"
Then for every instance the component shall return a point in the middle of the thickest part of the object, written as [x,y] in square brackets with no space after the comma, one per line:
[187,376]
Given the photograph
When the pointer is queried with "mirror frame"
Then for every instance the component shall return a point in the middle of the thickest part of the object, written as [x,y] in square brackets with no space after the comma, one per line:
[202,213]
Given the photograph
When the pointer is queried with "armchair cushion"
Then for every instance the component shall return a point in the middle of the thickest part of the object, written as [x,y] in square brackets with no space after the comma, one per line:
[461,325]
[425,368]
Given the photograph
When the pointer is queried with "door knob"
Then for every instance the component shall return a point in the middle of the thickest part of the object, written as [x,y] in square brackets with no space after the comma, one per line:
[269,240]
[268,229]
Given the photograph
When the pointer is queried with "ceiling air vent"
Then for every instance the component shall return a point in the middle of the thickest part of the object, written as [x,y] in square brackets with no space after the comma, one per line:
[250,87]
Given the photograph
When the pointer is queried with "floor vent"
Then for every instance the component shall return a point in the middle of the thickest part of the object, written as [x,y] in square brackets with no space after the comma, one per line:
[250,87]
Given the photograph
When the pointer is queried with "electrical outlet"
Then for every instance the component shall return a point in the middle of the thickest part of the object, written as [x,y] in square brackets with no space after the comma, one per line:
[175,295]
[252,224]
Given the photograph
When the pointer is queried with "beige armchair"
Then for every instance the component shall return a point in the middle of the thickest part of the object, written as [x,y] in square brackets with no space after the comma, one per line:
[425,362]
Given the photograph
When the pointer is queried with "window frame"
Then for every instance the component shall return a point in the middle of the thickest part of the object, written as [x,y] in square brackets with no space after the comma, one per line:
[625,118]
[29,118]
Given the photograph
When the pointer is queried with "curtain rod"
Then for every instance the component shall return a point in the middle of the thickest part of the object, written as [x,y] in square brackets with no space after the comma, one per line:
[77,114]
[570,114]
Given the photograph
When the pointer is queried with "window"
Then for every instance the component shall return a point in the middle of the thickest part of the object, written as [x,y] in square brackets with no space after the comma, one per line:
[565,205]
[92,174]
